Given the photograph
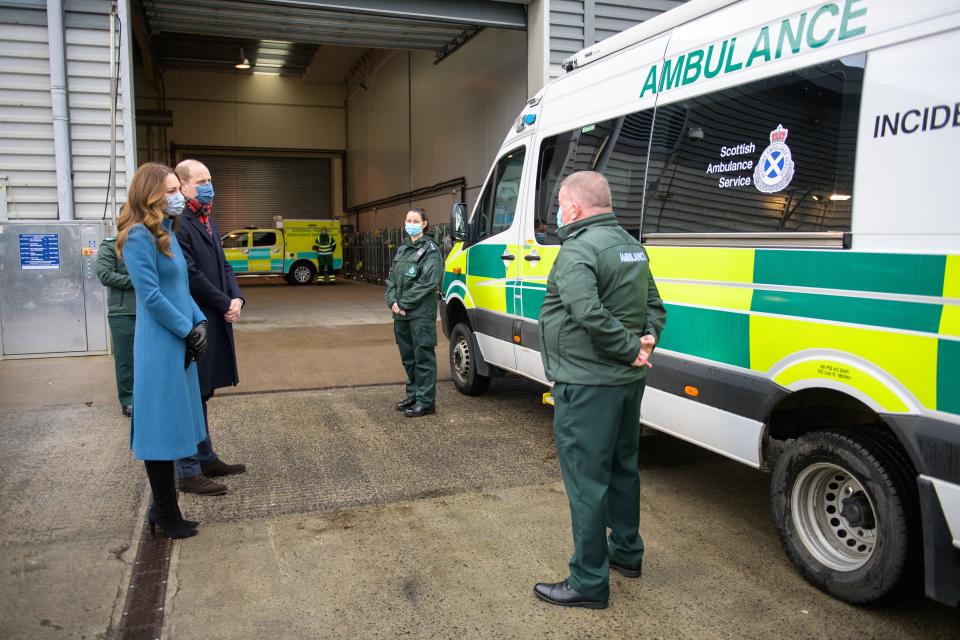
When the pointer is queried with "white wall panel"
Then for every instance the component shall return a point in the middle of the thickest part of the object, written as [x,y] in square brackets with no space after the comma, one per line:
[239,110]
[88,84]
[26,119]
[461,110]
[464,107]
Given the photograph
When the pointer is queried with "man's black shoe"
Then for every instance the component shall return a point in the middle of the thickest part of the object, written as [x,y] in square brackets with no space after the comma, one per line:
[626,571]
[418,410]
[562,594]
[405,404]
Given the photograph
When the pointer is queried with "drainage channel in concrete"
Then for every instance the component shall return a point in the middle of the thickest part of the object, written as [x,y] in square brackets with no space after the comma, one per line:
[143,609]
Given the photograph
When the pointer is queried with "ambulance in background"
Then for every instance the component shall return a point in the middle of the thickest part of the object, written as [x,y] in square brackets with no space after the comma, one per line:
[285,250]
[791,170]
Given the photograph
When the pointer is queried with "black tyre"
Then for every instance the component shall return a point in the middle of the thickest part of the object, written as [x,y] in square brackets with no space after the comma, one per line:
[846,509]
[463,362]
[302,273]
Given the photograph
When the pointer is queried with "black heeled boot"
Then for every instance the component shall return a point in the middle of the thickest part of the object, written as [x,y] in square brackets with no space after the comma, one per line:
[164,511]
[191,524]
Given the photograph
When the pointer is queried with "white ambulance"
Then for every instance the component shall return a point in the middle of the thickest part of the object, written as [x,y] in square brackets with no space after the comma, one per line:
[791,169]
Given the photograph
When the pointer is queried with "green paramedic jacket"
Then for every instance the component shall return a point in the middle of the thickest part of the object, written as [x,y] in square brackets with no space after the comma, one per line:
[112,273]
[600,299]
[415,278]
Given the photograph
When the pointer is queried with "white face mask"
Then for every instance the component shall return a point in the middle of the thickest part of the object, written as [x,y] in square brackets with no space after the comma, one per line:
[175,203]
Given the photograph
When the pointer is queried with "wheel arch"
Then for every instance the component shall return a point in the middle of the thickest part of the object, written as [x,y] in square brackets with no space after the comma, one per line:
[823,408]
[296,263]
[454,312]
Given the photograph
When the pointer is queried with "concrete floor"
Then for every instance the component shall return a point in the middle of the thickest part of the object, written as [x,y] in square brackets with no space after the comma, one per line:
[354,521]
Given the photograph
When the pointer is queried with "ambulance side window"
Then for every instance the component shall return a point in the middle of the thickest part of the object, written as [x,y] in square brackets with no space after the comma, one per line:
[235,240]
[498,203]
[617,148]
[264,238]
[772,156]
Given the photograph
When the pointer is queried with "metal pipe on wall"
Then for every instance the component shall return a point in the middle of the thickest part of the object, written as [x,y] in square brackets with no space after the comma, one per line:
[112,174]
[61,111]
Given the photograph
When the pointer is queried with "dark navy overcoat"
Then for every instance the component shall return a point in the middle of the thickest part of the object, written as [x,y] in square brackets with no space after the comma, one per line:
[213,285]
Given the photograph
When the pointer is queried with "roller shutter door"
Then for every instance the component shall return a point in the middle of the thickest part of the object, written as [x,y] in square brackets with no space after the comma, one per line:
[252,189]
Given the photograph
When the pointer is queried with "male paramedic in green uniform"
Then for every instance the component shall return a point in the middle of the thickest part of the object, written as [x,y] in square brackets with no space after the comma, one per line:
[600,320]
[412,297]
[325,247]
[122,317]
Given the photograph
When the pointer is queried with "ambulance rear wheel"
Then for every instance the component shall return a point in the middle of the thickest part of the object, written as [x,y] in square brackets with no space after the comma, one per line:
[463,362]
[302,273]
[846,510]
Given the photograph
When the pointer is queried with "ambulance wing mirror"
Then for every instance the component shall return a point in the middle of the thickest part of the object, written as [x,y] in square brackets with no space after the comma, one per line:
[459,229]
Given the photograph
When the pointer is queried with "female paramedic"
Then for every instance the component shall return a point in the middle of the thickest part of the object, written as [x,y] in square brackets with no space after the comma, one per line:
[412,296]
[170,332]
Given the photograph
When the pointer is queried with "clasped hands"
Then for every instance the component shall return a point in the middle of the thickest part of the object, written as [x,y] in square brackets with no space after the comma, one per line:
[396,309]
[647,342]
[233,312]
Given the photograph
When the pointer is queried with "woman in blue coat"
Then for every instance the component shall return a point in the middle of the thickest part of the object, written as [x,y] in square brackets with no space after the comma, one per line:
[170,332]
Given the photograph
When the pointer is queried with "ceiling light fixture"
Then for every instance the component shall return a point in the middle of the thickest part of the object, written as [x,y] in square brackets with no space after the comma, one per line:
[242,62]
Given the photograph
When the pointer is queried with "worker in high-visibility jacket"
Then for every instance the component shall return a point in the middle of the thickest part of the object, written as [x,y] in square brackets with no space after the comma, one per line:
[325,247]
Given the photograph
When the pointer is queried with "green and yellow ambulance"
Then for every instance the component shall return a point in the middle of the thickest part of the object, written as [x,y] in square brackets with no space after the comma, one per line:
[285,250]
[789,167]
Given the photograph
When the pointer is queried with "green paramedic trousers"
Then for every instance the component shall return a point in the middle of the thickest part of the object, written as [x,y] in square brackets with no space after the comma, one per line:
[597,430]
[325,262]
[417,338]
[121,332]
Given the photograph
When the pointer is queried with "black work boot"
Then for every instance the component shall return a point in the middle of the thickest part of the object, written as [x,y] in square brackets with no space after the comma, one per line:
[627,571]
[418,410]
[563,595]
[405,404]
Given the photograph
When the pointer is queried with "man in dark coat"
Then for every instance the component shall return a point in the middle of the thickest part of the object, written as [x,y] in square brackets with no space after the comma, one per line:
[213,286]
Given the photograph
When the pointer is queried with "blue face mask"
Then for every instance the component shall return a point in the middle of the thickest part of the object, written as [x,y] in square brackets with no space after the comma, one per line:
[413,229]
[205,193]
[175,203]
[559,217]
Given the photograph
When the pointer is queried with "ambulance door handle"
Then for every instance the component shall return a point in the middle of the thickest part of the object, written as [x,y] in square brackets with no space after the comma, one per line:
[508,256]
[532,257]
[245,251]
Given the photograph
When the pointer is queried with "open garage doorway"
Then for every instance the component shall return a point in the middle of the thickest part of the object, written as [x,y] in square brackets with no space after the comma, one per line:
[329,109]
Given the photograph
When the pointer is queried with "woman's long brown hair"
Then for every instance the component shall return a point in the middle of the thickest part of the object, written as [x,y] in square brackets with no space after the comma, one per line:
[146,198]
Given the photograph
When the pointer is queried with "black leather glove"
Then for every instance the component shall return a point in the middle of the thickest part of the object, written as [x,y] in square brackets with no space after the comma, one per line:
[197,338]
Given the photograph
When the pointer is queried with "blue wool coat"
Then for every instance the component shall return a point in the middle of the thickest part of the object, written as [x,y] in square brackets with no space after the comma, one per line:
[167,414]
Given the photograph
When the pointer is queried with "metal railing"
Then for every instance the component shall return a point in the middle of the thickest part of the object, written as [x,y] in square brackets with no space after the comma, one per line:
[368,255]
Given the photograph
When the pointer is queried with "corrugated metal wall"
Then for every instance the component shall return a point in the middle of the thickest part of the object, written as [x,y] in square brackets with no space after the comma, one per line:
[26,117]
[576,24]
